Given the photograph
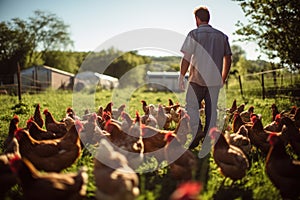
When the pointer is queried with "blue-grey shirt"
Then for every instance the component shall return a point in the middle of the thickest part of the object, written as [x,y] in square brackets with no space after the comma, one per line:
[208,46]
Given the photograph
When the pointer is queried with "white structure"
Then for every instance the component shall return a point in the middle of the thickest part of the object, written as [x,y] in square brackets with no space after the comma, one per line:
[163,81]
[89,78]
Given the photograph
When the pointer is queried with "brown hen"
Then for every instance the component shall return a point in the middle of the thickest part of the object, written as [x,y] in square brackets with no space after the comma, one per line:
[37,117]
[51,155]
[13,126]
[59,128]
[36,185]
[230,159]
[282,170]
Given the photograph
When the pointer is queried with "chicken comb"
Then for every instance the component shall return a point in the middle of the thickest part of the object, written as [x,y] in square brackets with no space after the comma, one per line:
[29,121]
[78,125]
[273,138]
[46,111]
[16,117]
[213,131]
[17,133]
[253,118]
[13,161]
[187,190]
[137,116]
[169,137]
[69,109]
[277,117]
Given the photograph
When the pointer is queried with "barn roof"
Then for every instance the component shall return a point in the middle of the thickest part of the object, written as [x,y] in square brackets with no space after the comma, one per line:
[49,68]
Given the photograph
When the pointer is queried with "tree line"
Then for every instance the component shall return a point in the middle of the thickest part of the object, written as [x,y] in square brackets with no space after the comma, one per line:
[44,39]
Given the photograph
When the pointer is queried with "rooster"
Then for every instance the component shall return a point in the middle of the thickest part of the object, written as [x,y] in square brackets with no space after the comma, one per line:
[282,171]
[114,179]
[13,126]
[53,185]
[59,128]
[8,179]
[182,162]
[37,132]
[231,160]
[51,155]
[37,117]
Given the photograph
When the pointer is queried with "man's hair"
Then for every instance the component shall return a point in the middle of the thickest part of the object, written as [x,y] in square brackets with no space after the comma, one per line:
[202,13]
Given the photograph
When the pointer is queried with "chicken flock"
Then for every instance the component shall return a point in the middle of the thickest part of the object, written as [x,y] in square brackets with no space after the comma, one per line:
[35,156]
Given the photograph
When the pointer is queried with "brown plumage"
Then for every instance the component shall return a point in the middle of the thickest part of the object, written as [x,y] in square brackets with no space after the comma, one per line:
[238,122]
[282,170]
[258,136]
[37,117]
[246,115]
[8,178]
[59,128]
[230,159]
[36,185]
[114,179]
[240,139]
[13,126]
[163,119]
[182,162]
[38,133]
[274,111]
[275,126]
[116,113]
[292,134]
[51,155]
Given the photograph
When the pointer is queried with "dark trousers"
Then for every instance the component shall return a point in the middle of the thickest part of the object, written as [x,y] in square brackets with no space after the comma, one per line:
[194,96]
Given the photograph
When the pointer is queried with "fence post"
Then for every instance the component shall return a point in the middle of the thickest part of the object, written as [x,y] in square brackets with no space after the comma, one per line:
[263,85]
[19,82]
[241,87]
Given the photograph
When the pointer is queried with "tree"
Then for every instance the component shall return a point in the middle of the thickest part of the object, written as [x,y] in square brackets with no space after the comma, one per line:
[275,26]
[26,41]
[48,33]
[237,53]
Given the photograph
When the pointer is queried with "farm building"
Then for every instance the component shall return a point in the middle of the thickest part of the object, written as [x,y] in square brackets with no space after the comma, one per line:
[162,81]
[42,77]
[89,78]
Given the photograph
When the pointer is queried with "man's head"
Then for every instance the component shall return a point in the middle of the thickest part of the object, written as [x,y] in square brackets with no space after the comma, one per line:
[201,15]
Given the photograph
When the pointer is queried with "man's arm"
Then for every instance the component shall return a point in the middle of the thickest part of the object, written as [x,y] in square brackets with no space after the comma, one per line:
[184,66]
[226,67]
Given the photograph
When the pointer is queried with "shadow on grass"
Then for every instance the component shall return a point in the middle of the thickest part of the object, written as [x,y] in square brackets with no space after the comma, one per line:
[233,192]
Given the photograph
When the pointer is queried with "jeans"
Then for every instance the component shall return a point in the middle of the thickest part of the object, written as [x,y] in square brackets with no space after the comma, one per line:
[194,96]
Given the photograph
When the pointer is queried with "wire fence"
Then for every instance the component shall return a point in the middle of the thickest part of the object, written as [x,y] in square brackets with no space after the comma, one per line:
[267,84]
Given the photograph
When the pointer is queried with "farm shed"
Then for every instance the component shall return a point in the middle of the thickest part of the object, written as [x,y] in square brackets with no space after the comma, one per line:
[89,78]
[42,77]
[162,81]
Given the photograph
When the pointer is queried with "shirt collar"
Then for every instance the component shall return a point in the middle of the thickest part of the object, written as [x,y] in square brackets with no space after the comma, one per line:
[204,25]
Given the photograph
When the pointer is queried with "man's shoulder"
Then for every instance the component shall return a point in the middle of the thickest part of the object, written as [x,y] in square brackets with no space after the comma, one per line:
[206,29]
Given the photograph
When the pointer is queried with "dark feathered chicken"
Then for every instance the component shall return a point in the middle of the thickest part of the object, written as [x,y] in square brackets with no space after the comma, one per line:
[59,128]
[37,117]
[8,179]
[50,186]
[38,133]
[282,171]
[13,126]
[292,133]
[230,159]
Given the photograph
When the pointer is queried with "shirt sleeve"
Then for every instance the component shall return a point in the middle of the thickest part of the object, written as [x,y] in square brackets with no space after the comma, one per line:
[227,47]
[188,45]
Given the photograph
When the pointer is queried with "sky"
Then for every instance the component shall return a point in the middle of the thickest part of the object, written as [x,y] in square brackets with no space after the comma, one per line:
[93,22]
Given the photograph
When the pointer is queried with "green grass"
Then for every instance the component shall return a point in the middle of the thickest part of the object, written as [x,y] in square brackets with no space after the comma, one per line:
[156,184]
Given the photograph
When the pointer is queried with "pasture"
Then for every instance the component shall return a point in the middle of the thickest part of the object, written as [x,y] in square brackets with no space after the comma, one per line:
[157,184]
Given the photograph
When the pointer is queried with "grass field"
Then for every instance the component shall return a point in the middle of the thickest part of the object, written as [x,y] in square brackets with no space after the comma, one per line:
[156,184]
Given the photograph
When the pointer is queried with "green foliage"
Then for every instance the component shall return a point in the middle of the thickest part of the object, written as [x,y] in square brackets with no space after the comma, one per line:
[274,25]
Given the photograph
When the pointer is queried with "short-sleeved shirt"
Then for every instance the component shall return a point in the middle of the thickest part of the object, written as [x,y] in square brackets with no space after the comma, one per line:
[208,46]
